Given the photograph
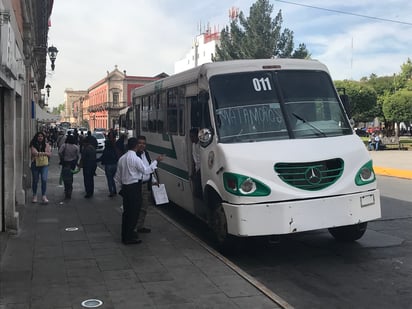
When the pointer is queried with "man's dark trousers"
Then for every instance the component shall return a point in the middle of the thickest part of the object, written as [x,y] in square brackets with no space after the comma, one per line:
[88,177]
[132,201]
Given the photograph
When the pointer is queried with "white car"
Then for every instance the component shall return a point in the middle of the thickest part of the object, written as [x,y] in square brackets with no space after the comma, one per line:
[100,141]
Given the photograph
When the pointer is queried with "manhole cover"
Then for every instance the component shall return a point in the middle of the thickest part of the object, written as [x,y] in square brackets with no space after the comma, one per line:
[71,229]
[92,303]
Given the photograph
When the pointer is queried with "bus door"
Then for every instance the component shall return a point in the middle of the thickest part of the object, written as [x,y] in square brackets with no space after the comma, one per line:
[195,122]
[200,119]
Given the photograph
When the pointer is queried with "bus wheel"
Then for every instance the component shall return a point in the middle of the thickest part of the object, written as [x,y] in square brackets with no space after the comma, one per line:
[218,224]
[349,232]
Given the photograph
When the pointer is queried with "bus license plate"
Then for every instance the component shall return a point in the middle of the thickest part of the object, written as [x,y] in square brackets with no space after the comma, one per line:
[367,200]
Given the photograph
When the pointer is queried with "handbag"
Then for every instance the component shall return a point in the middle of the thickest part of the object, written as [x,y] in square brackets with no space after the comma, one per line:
[160,194]
[42,161]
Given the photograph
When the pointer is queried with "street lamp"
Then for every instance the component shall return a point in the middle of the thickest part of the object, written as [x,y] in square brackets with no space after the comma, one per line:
[48,90]
[52,51]
[81,99]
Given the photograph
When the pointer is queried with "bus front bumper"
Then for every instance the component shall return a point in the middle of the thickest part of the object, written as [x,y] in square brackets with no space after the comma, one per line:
[304,215]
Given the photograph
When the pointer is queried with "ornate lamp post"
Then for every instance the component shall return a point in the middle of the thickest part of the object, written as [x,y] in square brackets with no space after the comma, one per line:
[52,51]
[48,90]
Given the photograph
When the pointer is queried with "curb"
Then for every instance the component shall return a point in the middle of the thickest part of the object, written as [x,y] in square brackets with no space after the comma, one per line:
[392,172]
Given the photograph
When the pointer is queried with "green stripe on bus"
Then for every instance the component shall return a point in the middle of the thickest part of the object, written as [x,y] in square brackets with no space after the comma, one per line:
[171,153]
[174,170]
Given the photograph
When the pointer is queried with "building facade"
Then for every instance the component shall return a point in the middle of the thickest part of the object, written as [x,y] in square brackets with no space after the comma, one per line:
[100,104]
[23,55]
[203,50]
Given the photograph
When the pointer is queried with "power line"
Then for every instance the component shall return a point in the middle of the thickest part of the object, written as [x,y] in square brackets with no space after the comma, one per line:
[347,13]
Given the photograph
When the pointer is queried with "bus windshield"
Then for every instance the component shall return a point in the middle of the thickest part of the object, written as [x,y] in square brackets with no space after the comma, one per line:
[271,105]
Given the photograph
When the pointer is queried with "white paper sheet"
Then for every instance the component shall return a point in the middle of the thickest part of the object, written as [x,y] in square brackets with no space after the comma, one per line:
[160,194]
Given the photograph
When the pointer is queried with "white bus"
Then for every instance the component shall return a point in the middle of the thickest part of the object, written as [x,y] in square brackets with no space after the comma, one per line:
[128,121]
[278,154]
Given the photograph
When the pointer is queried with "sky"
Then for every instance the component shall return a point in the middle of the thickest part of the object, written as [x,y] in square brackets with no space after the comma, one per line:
[146,37]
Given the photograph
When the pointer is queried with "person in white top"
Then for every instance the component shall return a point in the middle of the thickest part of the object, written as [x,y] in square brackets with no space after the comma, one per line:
[129,174]
[196,176]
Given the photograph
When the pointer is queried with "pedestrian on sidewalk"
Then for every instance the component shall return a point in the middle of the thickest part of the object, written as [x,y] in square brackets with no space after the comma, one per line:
[69,154]
[40,154]
[130,171]
[147,181]
[109,159]
[120,145]
[88,164]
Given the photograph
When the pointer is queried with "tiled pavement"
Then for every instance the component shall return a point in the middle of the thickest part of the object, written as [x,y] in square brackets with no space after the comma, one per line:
[45,266]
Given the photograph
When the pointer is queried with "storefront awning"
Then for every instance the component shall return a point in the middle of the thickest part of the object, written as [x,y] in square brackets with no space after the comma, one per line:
[44,116]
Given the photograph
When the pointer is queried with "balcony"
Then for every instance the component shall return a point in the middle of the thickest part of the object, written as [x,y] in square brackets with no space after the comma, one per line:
[106,106]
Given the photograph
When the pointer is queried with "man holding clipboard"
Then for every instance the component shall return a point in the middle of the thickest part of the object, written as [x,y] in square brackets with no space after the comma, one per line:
[129,175]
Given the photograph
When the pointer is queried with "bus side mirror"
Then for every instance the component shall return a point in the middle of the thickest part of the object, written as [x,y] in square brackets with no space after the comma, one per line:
[205,137]
[346,104]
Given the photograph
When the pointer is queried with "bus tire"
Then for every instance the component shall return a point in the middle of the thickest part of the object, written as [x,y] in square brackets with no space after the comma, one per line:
[349,233]
[225,242]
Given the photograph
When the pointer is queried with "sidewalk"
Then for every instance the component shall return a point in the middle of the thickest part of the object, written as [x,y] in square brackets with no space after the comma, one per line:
[394,163]
[50,264]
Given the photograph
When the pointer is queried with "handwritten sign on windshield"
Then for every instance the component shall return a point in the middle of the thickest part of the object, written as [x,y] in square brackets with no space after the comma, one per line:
[265,115]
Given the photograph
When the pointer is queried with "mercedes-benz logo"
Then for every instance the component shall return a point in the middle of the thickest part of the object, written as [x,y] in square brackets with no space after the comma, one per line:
[313,175]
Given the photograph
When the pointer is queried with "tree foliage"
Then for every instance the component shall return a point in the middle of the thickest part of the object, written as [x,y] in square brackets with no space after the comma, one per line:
[397,107]
[393,97]
[362,98]
[258,36]
[57,110]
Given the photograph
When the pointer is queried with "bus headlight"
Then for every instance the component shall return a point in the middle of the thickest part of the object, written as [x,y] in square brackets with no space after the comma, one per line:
[244,186]
[248,186]
[365,174]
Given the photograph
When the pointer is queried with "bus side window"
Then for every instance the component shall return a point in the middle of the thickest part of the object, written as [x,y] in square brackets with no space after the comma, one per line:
[161,112]
[145,114]
[195,112]
[152,114]
[172,111]
[181,111]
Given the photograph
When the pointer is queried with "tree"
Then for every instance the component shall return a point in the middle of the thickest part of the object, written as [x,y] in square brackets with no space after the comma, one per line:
[406,73]
[398,106]
[258,36]
[301,52]
[57,110]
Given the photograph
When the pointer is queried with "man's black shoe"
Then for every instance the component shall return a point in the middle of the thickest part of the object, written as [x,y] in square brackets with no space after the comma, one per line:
[132,241]
[144,230]
[88,195]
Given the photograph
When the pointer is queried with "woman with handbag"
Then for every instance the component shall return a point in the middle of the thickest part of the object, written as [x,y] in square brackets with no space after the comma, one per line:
[40,154]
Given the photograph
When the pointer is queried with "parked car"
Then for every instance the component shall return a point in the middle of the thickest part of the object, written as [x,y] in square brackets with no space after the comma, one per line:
[100,141]
[361,132]
[84,130]
[71,130]
[100,130]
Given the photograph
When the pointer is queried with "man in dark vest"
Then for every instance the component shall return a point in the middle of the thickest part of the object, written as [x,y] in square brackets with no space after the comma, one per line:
[147,182]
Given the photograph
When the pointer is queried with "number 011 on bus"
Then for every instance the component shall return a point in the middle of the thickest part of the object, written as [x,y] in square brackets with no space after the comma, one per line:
[274,154]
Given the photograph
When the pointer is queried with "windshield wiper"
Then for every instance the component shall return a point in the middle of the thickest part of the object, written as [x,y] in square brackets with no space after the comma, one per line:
[309,124]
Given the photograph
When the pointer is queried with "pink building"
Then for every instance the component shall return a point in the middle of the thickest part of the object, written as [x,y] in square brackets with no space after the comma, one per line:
[101,106]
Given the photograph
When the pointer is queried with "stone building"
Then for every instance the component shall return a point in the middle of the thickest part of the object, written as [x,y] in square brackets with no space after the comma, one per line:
[100,104]
[23,56]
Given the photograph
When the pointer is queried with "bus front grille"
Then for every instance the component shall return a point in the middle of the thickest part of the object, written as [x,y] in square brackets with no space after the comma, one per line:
[310,176]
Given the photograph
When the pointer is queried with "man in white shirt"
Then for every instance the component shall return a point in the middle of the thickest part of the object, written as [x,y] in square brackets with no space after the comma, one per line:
[129,174]
[196,176]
